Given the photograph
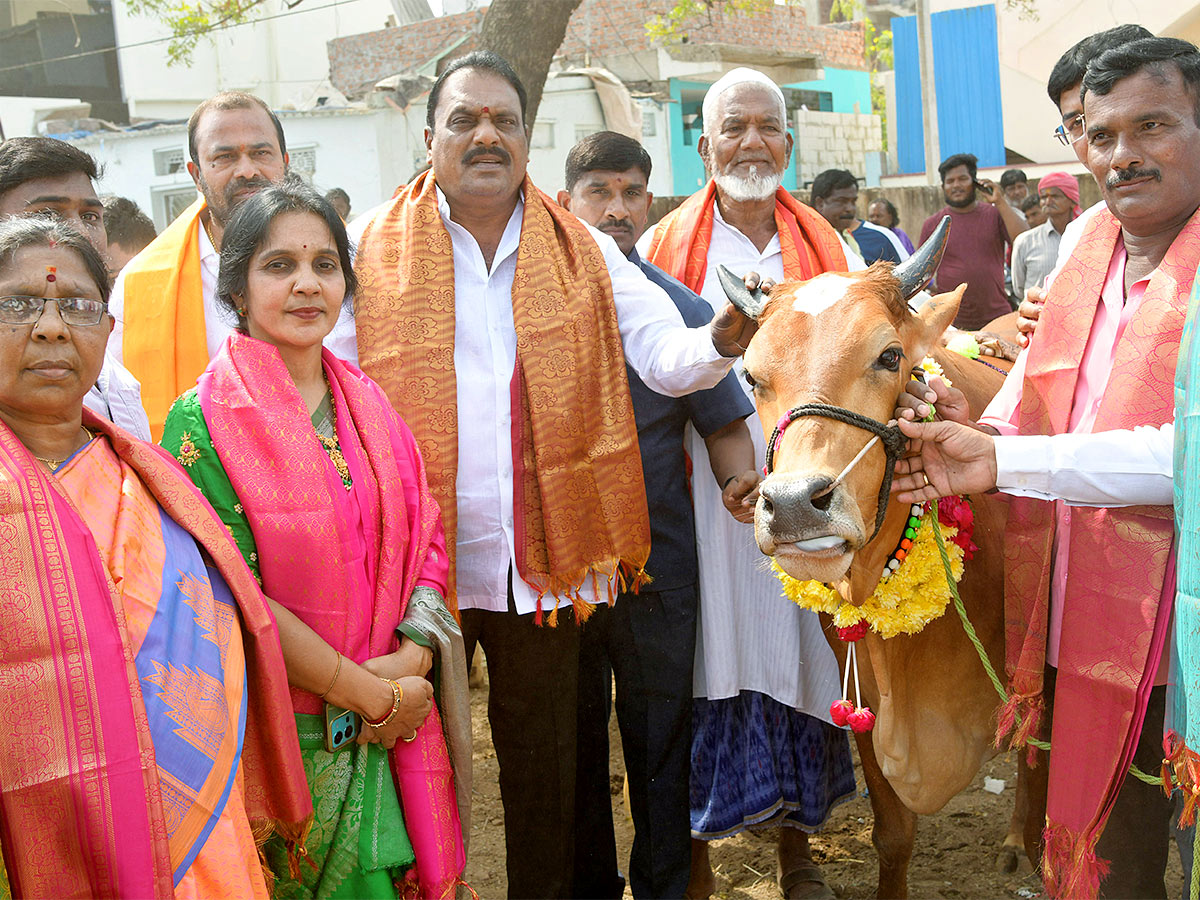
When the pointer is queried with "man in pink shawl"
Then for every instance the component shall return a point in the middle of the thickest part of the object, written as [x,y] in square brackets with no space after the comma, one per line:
[324,490]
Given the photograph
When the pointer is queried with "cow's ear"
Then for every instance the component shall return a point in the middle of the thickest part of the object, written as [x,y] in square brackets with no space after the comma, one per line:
[934,317]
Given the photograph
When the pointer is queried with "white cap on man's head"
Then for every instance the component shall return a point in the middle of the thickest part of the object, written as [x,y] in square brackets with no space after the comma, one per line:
[731,79]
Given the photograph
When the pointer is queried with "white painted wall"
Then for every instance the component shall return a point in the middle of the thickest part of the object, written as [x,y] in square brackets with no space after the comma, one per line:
[20,115]
[283,60]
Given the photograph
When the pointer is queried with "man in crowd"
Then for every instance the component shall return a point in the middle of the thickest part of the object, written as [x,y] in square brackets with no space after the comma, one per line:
[1015,186]
[979,234]
[835,196]
[165,300]
[763,658]
[1035,252]
[1031,209]
[497,324]
[1101,366]
[648,639]
[340,201]
[129,231]
[1066,78]
[44,175]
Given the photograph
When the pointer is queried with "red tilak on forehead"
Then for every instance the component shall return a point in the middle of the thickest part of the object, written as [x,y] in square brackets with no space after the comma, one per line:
[486,110]
[50,270]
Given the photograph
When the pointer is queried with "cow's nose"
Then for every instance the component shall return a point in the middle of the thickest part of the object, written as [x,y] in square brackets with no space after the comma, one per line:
[791,506]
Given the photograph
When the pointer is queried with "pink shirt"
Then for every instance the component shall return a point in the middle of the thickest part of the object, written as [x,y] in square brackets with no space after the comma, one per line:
[1112,315]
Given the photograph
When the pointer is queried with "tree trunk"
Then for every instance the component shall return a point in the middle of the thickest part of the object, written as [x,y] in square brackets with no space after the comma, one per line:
[527,33]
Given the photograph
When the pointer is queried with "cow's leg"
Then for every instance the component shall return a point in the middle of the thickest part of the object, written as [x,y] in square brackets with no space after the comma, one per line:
[1012,856]
[895,826]
[1037,780]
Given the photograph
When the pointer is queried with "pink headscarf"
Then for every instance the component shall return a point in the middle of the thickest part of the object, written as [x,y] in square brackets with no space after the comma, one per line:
[1065,183]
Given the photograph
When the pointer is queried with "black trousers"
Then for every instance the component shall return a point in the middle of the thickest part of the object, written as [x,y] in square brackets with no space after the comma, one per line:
[532,672]
[648,642]
[1137,837]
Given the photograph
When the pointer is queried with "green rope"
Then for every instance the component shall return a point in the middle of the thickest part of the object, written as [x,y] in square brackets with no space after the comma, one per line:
[973,637]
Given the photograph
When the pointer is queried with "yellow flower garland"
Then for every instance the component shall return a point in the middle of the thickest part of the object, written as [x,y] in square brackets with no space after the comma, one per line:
[903,603]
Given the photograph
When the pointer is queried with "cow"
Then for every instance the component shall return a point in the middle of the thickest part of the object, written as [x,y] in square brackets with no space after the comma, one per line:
[850,342]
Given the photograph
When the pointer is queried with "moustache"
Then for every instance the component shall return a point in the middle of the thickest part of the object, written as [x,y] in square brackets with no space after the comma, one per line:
[241,184]
[618,225]
[475,152]
[1130,174]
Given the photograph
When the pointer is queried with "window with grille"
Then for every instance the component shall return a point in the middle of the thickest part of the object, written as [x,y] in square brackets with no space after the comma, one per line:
[169,161]
[303,161]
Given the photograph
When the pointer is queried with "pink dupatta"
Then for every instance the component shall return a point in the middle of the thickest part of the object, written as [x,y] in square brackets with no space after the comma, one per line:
[345,562]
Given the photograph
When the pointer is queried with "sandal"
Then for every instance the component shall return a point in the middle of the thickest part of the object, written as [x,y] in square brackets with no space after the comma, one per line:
[805,882]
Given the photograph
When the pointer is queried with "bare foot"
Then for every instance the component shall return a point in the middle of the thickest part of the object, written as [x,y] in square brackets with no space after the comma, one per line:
[701,882]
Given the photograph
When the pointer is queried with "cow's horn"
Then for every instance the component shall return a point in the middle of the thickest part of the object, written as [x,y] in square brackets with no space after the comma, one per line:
[917,271]
[750,302]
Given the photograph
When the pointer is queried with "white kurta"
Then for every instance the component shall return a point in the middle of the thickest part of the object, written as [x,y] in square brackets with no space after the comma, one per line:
[750,636]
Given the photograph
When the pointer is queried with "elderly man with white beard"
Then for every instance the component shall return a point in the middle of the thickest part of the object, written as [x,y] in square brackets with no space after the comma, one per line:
[765,677]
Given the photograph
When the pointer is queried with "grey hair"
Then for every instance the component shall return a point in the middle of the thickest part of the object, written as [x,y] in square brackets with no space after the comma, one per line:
[43,230]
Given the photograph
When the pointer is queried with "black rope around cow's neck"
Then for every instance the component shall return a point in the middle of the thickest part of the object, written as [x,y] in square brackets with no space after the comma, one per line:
[890,436]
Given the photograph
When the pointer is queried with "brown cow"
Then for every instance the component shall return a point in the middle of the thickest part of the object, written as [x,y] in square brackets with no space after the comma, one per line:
[851,341]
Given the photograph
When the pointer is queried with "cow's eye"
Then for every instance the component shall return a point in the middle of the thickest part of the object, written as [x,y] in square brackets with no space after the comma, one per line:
[889,359]
[749,378]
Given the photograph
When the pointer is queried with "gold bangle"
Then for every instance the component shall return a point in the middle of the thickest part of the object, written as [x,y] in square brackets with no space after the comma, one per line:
[336,672]
[409,740]
[397,696]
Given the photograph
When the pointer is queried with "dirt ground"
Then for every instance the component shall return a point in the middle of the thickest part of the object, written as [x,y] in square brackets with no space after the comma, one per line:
[955,854]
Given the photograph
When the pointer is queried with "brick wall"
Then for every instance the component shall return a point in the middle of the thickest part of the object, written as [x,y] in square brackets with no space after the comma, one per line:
[598,30]
[828,140]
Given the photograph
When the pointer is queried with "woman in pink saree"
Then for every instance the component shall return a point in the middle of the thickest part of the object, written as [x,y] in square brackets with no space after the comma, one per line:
[323,488]
[145,748]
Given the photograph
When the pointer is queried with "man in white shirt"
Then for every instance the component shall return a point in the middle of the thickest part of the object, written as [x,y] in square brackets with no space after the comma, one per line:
[168,321]
[482,303]
[44,175]
[759,657]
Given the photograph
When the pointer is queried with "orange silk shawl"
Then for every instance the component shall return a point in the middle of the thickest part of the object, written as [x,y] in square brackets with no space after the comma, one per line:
[1113,622]
[165,344]
[577,474]
[680,244]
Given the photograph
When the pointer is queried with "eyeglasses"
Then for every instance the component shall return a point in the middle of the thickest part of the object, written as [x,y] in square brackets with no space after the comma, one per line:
[21,310]
[1066,133]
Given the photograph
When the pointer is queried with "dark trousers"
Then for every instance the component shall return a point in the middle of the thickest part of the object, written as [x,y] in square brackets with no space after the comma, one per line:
[532,672]
[1137,837]
[648,642]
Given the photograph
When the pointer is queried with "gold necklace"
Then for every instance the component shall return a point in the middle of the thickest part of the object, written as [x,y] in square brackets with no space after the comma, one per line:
[55,464]
[332,449]
[208,231]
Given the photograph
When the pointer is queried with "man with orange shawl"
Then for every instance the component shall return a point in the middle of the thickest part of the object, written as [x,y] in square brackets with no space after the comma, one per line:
[765,675]
[499,325]
[168,322]
[1090,589]
[148,746]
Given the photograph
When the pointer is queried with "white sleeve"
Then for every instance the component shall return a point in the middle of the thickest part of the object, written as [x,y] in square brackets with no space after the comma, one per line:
[116,307]
[1126,467]
[342,342]
[1018,267]
[854,262]
[669,357]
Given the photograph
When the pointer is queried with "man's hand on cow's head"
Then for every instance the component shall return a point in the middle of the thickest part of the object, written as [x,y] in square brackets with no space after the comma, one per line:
[1028,313]
[953,459]
[951,403]
[732,329]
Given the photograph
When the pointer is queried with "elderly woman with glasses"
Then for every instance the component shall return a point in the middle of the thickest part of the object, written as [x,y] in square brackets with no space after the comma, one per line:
[145,741]
[323,488]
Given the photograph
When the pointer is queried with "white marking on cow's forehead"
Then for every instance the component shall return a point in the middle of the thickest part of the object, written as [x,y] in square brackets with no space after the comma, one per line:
[816,296]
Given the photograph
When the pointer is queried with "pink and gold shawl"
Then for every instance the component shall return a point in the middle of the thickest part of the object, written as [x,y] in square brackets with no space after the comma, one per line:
[1114,625]
[308,536]
[679,247]
[75,746]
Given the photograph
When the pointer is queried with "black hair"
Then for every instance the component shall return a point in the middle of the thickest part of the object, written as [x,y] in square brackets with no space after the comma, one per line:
[248,228]
[126,224]
[1152,53]
[829,181]
[605,151]
[1013,176]
[23,159]
[1030,202]
[337,194]
[1071,66]
[229,100]
[477,59]
[890,207]
[44,230]
[970,160]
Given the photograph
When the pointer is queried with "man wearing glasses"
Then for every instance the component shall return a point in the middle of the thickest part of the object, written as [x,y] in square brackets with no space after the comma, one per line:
[1066,78]
[44,175]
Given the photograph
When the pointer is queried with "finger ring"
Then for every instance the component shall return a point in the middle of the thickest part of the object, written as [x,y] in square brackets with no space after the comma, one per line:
[409,740]
[926,477]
